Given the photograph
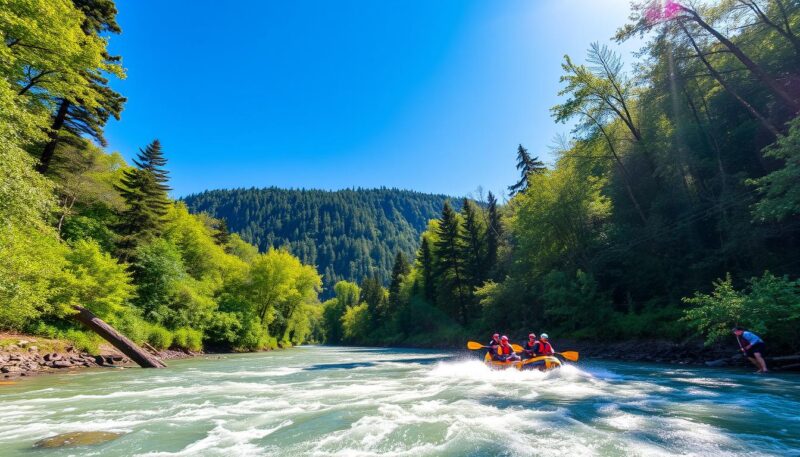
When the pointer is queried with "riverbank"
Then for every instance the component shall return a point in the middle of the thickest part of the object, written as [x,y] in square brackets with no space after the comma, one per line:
[26,355]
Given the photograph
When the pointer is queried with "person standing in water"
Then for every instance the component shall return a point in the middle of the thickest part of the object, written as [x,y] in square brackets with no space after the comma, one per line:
[753,347]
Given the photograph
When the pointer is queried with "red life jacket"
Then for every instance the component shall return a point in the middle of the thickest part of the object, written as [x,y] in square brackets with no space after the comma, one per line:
[544,348]
[504,350]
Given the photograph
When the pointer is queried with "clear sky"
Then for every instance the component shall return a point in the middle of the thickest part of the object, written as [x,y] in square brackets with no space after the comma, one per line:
[430,95]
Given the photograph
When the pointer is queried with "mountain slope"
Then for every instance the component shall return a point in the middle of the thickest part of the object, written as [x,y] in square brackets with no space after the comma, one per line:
[348,234]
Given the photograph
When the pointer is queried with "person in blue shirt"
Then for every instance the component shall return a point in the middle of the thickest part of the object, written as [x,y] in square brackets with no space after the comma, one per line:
[753,347]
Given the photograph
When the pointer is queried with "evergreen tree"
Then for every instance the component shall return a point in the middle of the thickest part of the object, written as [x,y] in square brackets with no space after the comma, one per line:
[144,190]
[526,165]
[425,259]
[87,114]
[222,235]
[473,244]
[400,268]
[493,233]
[374,295]
[450,265]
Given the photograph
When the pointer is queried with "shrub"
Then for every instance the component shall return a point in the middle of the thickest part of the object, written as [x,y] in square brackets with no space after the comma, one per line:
[188,338]
[159,337]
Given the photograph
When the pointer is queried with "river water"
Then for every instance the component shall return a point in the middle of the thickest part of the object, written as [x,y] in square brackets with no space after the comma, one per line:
[330,401]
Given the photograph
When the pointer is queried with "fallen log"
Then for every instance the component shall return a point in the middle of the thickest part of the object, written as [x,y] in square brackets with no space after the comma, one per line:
[117,339]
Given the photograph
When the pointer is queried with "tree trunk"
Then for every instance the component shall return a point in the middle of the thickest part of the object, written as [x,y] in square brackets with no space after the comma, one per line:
[117,339]
[754,68]
[718,77]
[50,147]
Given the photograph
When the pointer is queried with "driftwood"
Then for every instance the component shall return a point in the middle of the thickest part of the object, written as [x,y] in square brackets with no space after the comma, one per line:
[117,339]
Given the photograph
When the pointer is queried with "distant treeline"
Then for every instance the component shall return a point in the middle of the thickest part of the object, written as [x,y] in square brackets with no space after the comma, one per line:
[674,208]
[349,234]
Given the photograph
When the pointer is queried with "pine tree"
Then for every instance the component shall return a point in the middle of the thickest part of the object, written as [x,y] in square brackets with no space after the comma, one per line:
[400,268]
[425,259]
[222,235]
[86,115]
[493,233]
[527,166]
[450,264]
[473,245]
[373,294]
[144,190]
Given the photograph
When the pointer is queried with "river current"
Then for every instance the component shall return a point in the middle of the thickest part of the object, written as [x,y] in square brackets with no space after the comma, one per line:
[330,401]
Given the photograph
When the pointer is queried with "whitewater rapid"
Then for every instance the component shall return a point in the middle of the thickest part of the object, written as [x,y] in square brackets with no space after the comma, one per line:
[327,401]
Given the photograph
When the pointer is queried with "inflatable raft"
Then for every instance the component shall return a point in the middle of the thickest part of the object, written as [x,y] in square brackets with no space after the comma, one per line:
[542,363]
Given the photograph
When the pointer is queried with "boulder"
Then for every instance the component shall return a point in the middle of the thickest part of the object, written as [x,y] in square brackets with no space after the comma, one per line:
[75,439]
[52,357]
[62,364]
[33,349]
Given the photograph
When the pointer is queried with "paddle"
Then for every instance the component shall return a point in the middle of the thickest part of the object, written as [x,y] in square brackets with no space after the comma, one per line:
[572,356]
[474,345]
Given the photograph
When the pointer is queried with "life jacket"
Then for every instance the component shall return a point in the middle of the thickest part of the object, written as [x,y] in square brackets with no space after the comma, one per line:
[531,346]
[504,350]
[543,348]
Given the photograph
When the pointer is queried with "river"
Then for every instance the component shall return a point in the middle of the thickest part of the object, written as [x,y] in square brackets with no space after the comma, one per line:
[331,401]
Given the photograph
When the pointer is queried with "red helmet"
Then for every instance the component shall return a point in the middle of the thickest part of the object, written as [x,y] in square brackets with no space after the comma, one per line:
[504,338]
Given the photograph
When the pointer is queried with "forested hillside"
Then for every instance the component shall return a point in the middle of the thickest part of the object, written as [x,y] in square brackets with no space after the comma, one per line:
[672,210]
[349,234]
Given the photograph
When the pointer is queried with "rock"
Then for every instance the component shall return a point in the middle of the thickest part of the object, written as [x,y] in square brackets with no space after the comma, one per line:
[23,343]
[11,369]
[62,364]
[70,348]
[33,349]
[52,357]
[75,439]
[12,347]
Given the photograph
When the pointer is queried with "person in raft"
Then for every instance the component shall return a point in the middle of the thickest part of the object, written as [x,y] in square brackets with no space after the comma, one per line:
[752,346]
[529,349]
[493,344]
[504,352]
[543,346]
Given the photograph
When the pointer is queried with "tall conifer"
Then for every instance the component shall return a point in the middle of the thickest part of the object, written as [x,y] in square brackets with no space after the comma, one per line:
[493,233]
[145,190]
[450,264]
[399,270]
[527,166]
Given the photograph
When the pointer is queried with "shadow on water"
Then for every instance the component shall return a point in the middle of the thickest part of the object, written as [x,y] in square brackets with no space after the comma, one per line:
[352,365]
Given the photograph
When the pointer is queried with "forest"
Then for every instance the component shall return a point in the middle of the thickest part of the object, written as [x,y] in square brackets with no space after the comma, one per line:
[672,211]
[349,234]
[80,226]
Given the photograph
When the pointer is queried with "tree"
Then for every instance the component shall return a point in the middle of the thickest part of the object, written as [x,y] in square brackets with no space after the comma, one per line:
[87,113]
[425,259]
[780,192]
[527,166]
[347,296]
[449,265]
[374,295]
[400,269]
[145,190]
[473,243]
[494,231]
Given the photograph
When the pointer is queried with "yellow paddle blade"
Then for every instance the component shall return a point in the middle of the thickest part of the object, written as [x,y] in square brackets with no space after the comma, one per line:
[474,345]
[572,356]
[516,348]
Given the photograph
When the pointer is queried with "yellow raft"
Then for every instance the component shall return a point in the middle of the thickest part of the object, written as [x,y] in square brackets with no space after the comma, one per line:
[543,363]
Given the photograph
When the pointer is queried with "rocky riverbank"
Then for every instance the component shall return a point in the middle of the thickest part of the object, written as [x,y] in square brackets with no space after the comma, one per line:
[24,355]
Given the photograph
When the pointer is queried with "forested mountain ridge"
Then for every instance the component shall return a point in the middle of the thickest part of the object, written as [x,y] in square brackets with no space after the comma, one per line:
[350,234]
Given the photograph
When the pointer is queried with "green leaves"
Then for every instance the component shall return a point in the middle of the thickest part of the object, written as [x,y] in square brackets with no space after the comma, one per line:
[780,189]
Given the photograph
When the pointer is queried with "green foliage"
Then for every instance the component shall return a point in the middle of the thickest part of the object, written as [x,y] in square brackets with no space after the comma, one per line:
[356,323]
[159,337]
[95,280]
[350,234]
[770,306]
[780,190]
[188,338]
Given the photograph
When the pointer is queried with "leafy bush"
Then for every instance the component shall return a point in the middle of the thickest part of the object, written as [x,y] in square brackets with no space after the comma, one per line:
[159,337]
[188,338]
[356,323]
[769,305]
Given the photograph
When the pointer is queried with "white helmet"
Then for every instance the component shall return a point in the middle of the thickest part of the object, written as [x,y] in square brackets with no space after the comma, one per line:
[544,335]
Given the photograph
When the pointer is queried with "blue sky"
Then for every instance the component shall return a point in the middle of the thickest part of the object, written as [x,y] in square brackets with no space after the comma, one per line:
[430,95]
